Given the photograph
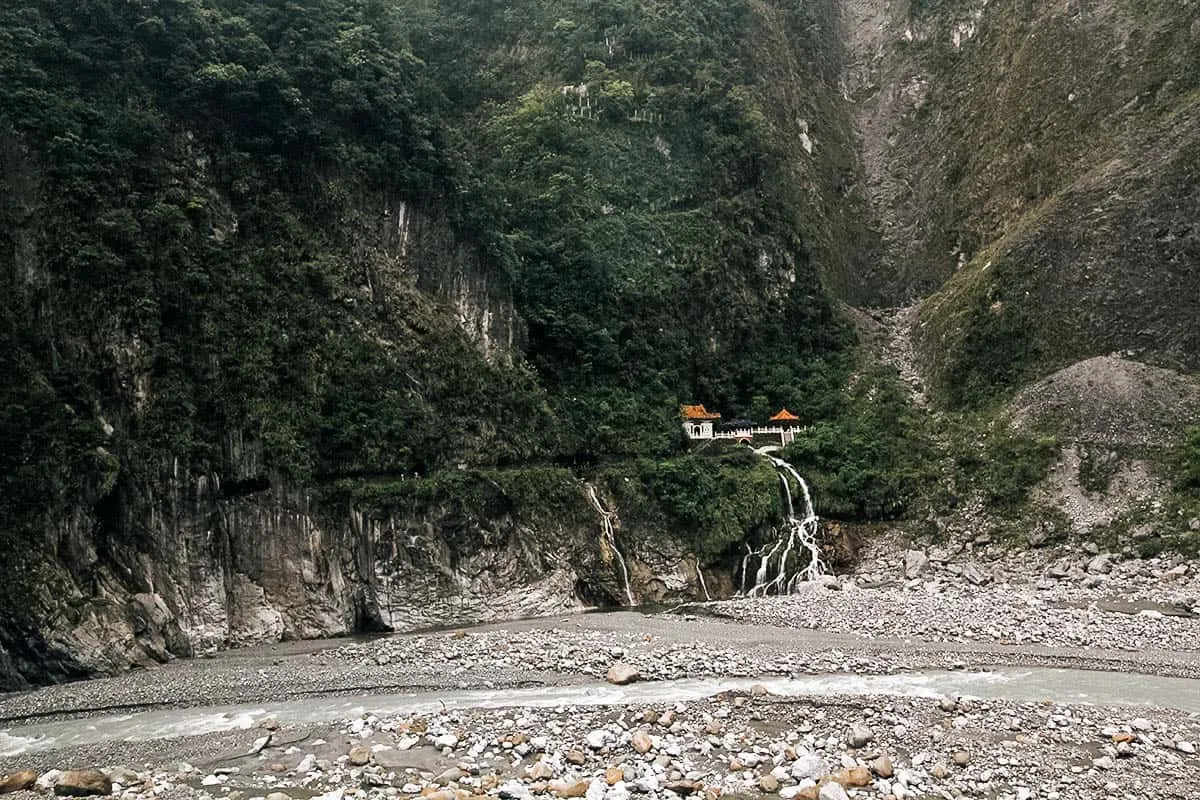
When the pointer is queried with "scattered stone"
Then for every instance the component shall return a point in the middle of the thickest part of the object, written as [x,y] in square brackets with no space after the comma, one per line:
[768,783]
[568,789]
[916,564]
[82,783]
[860,735]
[962,758]
[122,775]
[832,791]
[853,776]
[641,742]
[514,791]
[975,575]
[359,756]
[684,787]
[541,771]
[451,775]
[809,766]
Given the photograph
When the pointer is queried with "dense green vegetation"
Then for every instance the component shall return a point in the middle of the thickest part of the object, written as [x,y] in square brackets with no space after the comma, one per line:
[643,212]
[1190,480]
[532,494]
[710,502]
[873,458]
[195,279]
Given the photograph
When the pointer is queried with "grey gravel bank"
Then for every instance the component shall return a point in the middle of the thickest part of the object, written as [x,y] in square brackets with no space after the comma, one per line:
[743,745]
[549,652]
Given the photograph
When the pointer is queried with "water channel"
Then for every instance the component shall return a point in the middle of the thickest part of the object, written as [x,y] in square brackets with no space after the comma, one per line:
[1006,683]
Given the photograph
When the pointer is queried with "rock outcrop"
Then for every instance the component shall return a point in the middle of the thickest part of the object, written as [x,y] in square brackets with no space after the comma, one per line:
[219,572]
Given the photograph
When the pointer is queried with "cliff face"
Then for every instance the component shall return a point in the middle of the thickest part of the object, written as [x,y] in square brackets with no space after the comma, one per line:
[1028,170]
[212,571]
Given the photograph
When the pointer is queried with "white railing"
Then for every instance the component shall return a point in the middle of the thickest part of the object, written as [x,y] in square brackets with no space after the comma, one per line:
[756,430]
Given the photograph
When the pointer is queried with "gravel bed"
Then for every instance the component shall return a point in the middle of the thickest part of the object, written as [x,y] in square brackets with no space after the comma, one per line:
[982,593]
[947,613]
[745,745]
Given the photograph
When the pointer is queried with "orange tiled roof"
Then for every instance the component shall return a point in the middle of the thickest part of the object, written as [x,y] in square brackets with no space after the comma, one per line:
[785,416]
[696,412]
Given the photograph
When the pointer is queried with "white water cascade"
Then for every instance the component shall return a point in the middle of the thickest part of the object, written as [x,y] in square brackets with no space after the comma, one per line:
[608,537]
[700,580]
[793,555]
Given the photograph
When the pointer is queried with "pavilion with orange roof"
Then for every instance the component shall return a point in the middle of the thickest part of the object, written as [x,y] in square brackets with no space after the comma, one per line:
[700,423]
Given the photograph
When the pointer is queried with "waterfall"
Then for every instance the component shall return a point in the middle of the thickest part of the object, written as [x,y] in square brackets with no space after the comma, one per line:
[779,571]
[608,537]
[700,579]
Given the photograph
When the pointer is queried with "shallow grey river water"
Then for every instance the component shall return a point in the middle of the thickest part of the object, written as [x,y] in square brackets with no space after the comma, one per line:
[1008,683]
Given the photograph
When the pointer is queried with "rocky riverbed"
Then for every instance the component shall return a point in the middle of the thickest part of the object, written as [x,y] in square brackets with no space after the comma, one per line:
[1131,605]
[900,612]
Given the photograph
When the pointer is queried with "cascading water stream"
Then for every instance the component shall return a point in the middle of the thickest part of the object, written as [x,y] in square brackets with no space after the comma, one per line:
[609,537]
[779,571]
[700,579]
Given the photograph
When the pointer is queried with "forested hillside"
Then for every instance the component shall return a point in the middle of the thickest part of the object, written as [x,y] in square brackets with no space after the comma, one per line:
[241,243]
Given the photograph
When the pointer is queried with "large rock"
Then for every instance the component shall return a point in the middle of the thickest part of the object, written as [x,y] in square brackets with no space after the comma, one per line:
[916,564]
[974,574]
[82,783]
[17,781]
[622,673]
[809,766]
[853,776]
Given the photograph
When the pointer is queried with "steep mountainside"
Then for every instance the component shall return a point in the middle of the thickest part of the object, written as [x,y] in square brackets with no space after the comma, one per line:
[1033,165]
[1031,171]
[271,271]
[343,314]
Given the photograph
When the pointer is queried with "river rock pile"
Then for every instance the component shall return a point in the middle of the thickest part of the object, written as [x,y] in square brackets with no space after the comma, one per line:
[937,612]
[1081,599]
[742,745]
[588,653]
